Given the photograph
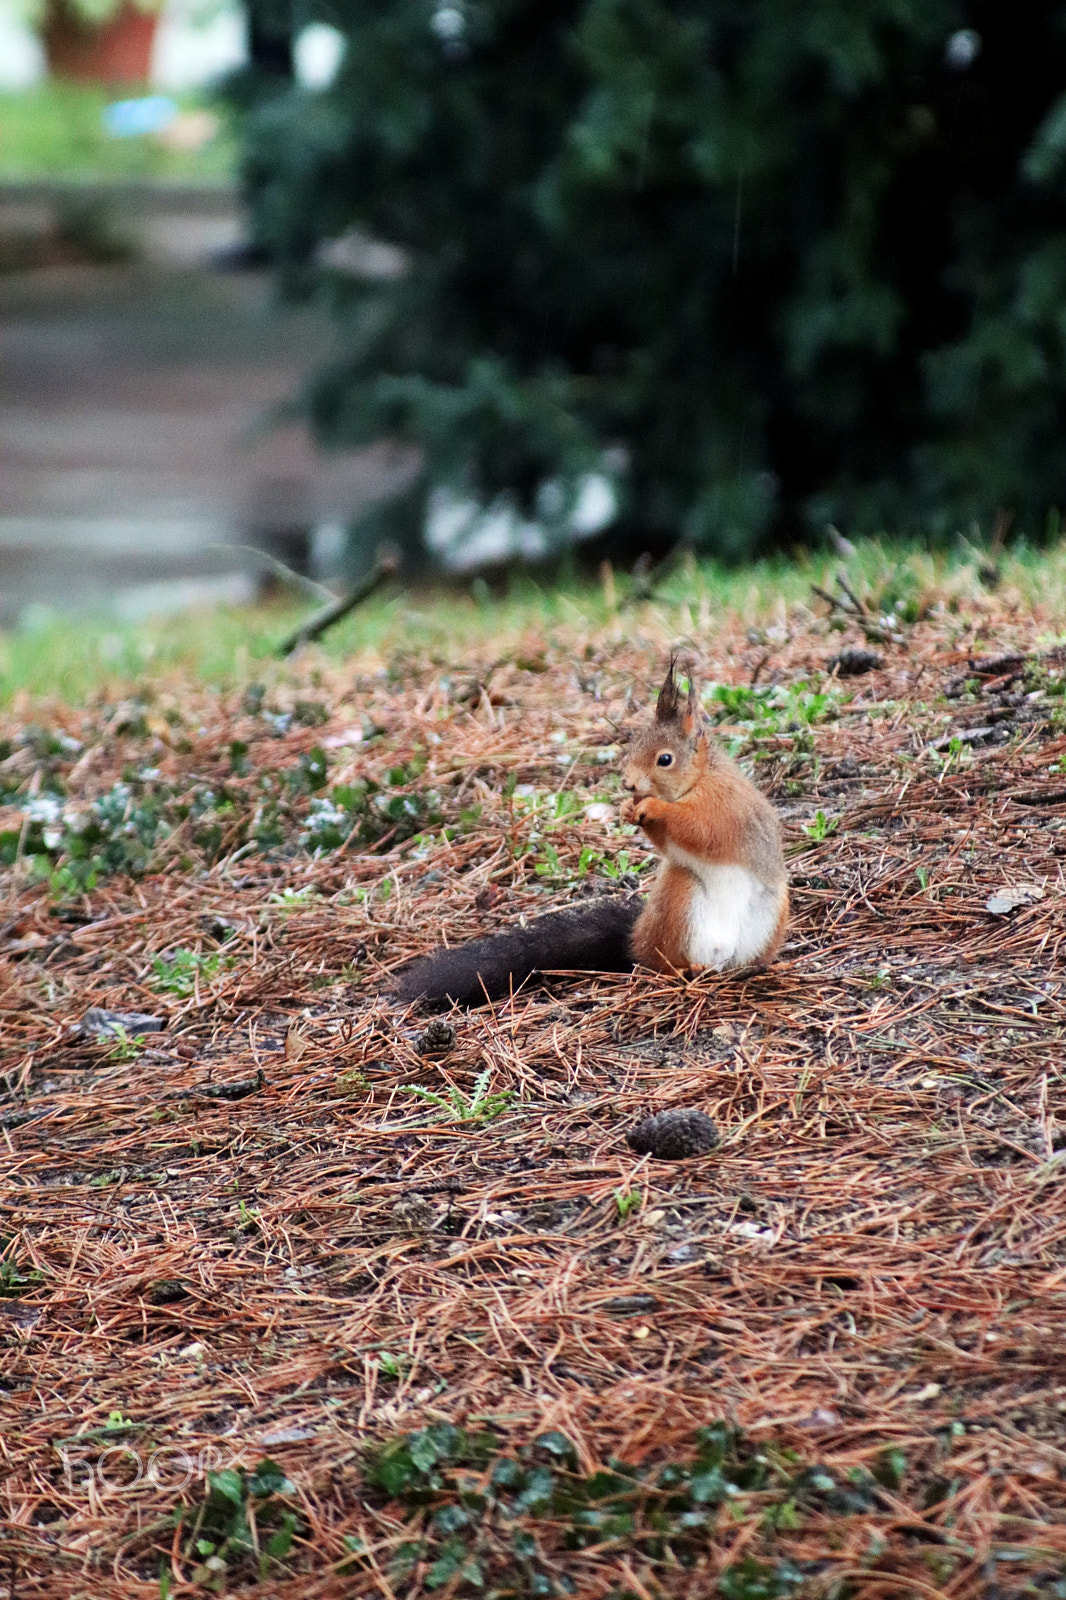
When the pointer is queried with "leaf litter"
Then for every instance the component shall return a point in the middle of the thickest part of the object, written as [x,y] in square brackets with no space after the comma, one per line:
[494,1349]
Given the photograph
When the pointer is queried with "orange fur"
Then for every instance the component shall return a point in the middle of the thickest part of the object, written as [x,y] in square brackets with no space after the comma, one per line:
[658,939]
[699,811]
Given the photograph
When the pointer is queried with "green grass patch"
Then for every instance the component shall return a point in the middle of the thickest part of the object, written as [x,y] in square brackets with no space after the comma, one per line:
[56,130]
[235,647]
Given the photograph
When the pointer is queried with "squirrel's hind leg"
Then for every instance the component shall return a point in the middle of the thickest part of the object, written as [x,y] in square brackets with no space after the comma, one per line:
[660,935]
[777,938]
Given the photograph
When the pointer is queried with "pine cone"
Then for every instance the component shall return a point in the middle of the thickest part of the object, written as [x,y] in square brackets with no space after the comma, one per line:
[438,1038]
[674,1135]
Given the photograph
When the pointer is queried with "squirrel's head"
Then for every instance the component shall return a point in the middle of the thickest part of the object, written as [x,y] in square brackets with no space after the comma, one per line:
[670,755]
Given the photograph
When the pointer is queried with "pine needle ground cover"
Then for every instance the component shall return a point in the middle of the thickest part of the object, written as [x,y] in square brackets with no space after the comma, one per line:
[306,1294]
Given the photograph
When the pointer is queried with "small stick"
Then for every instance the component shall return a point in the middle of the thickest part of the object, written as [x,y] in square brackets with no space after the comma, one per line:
[647,577]
[220,1091]
[859,605]
[835,603]
[317,625]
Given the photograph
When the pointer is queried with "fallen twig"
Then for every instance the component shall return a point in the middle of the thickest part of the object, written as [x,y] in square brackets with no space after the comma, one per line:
[386,567]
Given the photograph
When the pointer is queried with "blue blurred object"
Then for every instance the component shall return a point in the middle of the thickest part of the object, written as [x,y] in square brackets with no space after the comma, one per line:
[129,119]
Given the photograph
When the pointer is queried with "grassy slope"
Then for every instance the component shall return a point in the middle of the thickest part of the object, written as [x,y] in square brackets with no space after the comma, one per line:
[228,648]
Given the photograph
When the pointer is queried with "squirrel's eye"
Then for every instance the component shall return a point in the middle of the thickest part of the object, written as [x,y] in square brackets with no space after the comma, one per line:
[666,759]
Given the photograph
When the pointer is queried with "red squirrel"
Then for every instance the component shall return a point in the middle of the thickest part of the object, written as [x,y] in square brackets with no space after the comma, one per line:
[720,899]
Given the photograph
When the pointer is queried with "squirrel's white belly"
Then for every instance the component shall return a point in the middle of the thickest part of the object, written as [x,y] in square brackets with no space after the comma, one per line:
[732,915]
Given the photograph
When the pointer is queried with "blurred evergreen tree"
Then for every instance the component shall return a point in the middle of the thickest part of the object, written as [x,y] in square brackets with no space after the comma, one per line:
[764,264]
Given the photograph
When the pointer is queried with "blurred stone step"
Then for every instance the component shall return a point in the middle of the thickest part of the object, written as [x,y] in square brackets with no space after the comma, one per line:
[140,440]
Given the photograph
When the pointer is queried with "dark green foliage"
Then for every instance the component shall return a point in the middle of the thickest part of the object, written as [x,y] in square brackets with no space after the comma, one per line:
[125,830]
[764,263]
[890,1468]
[15,1277]
[312,769]
[485,1518]
[219,1531]
[757,1580]
[364,813]
[115,834]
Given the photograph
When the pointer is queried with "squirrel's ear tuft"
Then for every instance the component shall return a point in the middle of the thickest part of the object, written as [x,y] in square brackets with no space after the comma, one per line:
[691,718]
[668,705]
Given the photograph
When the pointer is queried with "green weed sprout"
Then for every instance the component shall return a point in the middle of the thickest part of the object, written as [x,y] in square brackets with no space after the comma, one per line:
[178,973]
[125,1046]
[821,827]
[478,1107]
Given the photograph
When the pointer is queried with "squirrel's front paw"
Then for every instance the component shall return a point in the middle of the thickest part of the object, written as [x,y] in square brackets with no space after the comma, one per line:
[642,810]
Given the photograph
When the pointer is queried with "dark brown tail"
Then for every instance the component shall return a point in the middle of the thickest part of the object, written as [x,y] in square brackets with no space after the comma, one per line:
[592,936]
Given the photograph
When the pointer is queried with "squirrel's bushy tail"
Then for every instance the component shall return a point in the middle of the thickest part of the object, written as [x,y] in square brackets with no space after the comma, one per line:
[592,936]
